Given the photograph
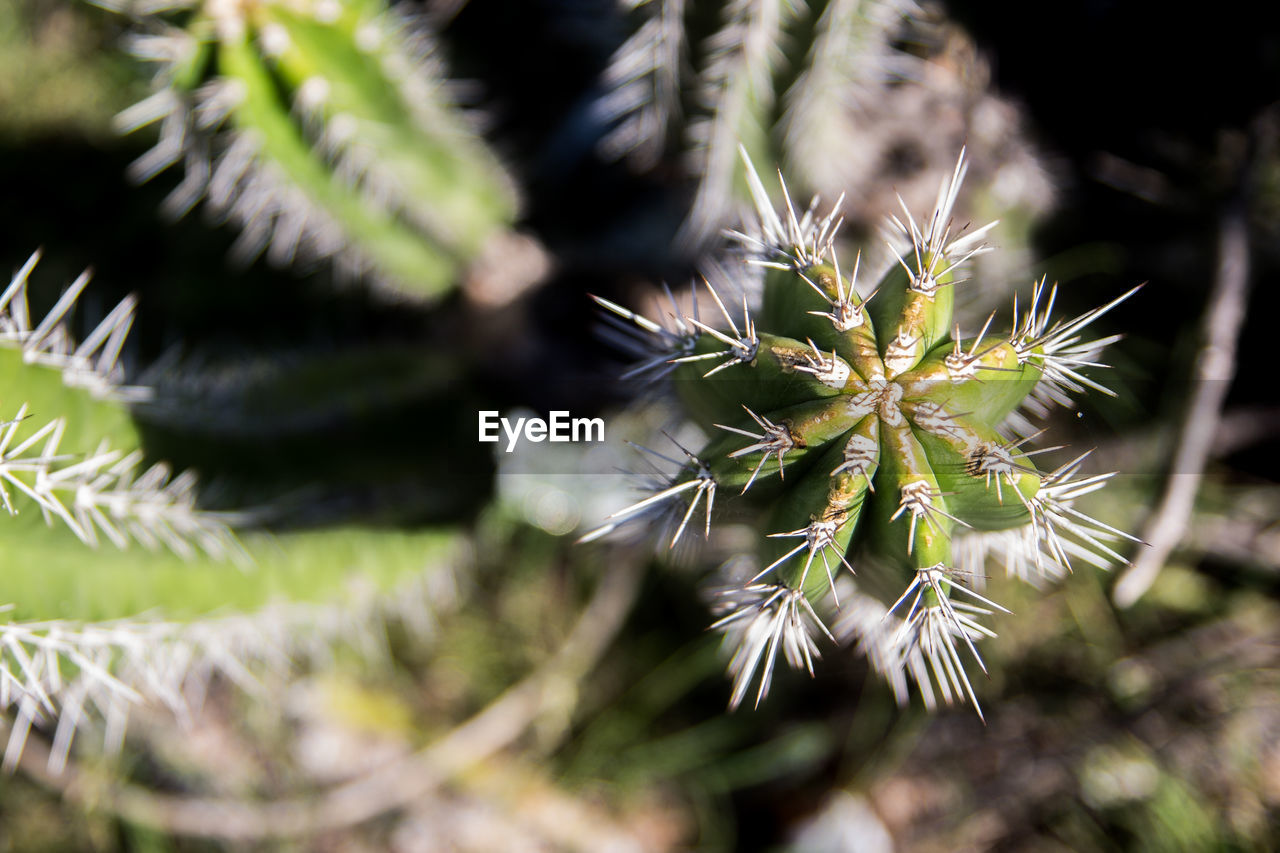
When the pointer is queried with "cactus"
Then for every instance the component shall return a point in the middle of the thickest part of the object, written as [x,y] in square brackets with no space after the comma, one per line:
[323,130]
[786,79]
[839,421]
[118,588]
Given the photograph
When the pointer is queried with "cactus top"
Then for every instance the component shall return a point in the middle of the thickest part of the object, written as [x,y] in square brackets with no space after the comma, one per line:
[846,421]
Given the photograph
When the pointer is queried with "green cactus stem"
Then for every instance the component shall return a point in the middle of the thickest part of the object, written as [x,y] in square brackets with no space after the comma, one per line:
[323,129]
[116,586]
[867,435]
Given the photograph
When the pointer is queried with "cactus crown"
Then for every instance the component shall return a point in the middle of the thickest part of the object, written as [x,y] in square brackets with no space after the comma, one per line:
[834,416]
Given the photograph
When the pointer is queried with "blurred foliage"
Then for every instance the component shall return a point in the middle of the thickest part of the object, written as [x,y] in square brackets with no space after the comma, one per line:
[59,72]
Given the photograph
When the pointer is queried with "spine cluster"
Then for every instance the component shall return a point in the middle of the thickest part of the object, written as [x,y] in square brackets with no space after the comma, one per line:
[108,492]
[884,455]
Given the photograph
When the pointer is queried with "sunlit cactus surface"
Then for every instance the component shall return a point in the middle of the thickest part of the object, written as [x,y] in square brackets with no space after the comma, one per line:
[881,455]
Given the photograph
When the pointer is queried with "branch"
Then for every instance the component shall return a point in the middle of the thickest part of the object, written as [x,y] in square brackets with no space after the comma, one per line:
[1214,369]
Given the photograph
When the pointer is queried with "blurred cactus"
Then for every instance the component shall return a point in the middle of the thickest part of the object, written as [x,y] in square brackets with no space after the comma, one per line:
[323,130]
[839,419]
[787,80]
[171,596]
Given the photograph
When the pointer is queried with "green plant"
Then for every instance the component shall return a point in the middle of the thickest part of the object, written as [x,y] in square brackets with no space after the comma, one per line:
[793,82]
[839,420]
[119,588]
[324,130]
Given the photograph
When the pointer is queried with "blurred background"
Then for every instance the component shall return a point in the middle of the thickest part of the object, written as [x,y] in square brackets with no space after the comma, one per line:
[554,705]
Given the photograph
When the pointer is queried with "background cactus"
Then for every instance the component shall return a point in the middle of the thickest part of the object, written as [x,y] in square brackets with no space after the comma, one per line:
[173,597]
[834,414]
[790,81]
[322,130]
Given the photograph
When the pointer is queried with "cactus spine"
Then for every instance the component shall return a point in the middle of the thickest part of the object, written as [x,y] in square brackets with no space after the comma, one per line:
[841,420]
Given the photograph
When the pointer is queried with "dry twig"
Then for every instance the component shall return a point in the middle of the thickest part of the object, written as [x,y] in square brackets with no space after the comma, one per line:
[1214,369]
